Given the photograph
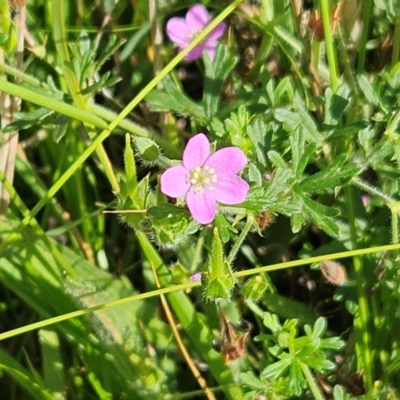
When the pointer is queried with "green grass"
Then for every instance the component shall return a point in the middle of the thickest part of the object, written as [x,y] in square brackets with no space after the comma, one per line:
[104,109]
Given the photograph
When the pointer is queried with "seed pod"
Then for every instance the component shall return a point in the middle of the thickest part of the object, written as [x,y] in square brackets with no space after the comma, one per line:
[333,272]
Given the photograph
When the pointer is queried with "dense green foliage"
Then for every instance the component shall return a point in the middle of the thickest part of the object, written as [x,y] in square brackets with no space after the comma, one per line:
[105,281]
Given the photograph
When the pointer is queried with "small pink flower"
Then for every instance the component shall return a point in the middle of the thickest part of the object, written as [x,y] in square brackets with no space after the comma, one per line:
[205,179]
[182,30]
[196,277]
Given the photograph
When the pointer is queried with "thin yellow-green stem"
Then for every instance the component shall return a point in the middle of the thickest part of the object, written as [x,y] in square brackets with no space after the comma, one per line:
[315,390]
[240,239]
[188,285]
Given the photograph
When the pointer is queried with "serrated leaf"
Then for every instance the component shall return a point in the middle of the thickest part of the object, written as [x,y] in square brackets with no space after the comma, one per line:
[276,159]
[271,322]
[334,175]
[300,118]
[160,100]
[286,207]
[321,216]
[101,84]
[255,174]
[345,131]
[300,154]
[216,71]
[368,90]
[335,104]
[279,183]
[257,134]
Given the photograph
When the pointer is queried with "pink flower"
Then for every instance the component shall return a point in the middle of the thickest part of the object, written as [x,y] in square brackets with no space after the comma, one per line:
[205,179]
[182,30]
[196,277]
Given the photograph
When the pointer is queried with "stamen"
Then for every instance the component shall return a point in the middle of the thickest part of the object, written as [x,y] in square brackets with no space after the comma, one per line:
[201,178]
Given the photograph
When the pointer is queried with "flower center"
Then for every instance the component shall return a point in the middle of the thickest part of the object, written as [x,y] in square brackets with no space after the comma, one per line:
[203,178]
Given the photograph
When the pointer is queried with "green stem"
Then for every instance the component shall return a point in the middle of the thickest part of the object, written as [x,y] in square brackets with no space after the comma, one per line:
[197,253]
[395,209]
[60,39]
[396,37]
[361,319]
[362,46]
[329,44]
[240,240]
[316,391]
[371,190]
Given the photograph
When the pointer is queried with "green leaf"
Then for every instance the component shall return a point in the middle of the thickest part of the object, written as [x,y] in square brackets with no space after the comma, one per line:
[178,102]
[250,380]
[319,327]
[300,118]
[333,343]
[336,174]
[271,322]
[277,369]
[257,134]
[217,277]
[23,377]
[173,98]
[165,210]
[277,159]
[130,168]
[278,184]
[296,378]
[335,104]
[216,71]
[300,154]
[27,119]
[147,148]
[321,216]
[297,221]
[104,82]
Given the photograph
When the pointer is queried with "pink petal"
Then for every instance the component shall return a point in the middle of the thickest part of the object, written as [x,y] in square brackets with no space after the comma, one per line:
[217,32]
[178,31]
[229,159]
[196,151]
[175,181]
[211,51]
[197,17]
[202,206]
[195,53]
[230,189]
